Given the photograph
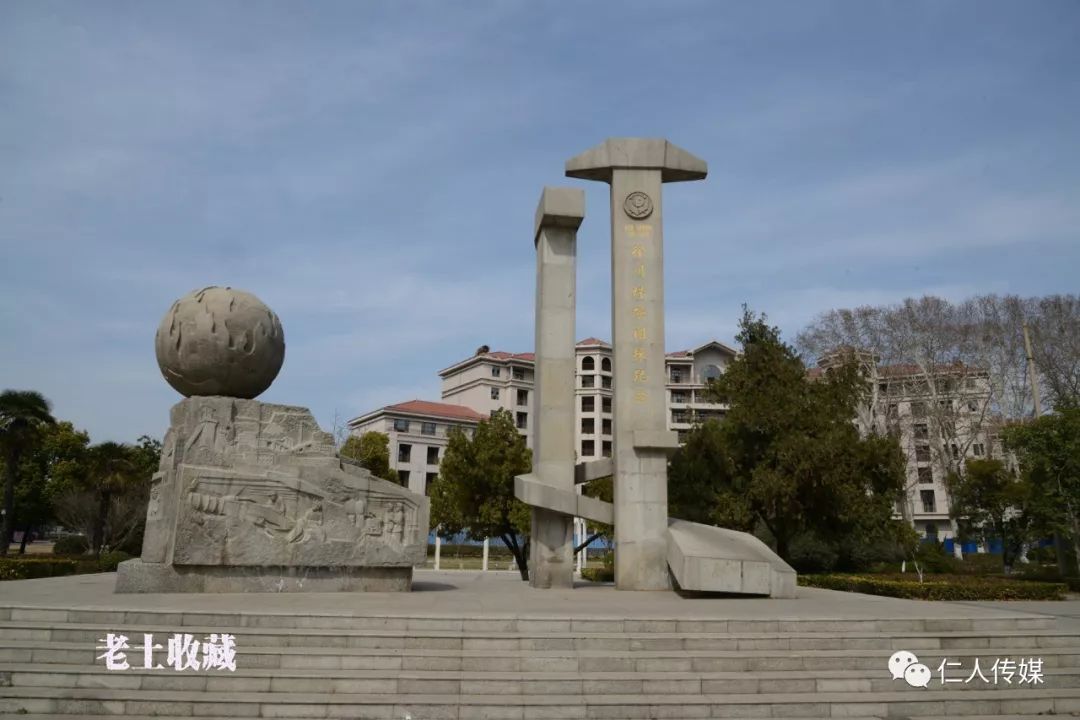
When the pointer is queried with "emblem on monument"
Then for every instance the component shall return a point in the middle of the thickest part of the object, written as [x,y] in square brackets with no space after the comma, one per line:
[638,205]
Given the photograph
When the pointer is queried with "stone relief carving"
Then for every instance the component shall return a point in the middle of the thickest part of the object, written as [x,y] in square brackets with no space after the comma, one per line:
[638,205]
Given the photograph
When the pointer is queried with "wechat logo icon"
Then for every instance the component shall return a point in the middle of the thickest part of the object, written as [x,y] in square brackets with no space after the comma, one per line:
[904,664]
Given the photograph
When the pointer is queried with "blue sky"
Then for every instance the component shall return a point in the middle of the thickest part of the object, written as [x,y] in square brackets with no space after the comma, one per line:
[371,169]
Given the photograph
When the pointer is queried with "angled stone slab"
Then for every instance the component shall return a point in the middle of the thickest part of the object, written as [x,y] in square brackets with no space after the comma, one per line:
[531,491]
[704,558]
[674,163]
[592,470]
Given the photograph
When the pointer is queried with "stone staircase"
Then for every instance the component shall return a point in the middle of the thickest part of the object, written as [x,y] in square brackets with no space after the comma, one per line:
[344,666]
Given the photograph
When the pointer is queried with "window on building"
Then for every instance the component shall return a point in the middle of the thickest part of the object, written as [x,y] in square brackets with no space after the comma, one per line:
[918,409]
[679,396]
[588,381]
[519,373]
[926,475]
[605,448]
[404,452]
[588,403]
[433,455]
[588,448]
[496,372]
[401,425]
[605,382]
[883,388]
[588,364]
[927,497]
[922,431]
[495,393]
[588,426]
[522,420]
[403,477]
[605,404]
[710,373]
[978,449]
[605,426]
[680,416]
[427,428]
[922,453]
[682,436]
[676,375]
[931,532]
[605,364]
[428,480]
[522,397]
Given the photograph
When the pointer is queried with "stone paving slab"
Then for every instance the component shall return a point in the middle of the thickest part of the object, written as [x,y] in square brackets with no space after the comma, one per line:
[493,595]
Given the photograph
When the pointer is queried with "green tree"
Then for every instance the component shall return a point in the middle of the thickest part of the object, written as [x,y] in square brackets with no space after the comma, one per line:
[694,472]
[1048,452]
[23,414]
[58,456]
[788,456]
[474,492]
[372,451]
[989,502]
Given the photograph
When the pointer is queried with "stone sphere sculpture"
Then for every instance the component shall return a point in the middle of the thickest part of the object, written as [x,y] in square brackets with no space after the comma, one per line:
[220,341]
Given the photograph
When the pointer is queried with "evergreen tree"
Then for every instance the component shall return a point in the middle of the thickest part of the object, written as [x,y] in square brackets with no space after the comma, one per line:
[474,492]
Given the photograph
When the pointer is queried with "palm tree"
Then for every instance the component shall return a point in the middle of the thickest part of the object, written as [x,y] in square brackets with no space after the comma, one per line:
[112,470]
[22,414]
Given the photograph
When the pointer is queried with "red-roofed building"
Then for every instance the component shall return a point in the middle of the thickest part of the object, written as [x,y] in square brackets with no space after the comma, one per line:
[418,432]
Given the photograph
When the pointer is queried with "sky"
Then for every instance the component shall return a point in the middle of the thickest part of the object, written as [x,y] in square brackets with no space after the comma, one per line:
[370,170]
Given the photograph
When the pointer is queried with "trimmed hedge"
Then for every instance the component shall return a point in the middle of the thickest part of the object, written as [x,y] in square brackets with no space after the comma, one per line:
[938,587]
[27,568]
[30,567]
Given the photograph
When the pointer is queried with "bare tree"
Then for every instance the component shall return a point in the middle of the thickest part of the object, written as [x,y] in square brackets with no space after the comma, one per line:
[1055,325]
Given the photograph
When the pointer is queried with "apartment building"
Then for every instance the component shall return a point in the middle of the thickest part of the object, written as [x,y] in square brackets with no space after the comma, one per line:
[942,416]
[491,380]
[419,432]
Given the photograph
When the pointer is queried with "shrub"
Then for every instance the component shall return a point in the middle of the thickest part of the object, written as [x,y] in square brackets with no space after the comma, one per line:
[70,545]
[110,559]
[810,554]
[939,587]
[28,568]
[599,574]
[933,558]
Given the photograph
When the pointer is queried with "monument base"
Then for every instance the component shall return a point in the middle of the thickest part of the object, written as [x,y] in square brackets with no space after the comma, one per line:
[137,576]
[703,558]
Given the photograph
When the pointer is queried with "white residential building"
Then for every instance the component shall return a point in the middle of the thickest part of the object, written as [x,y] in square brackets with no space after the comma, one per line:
[491,380]
[941,418]
[418,432]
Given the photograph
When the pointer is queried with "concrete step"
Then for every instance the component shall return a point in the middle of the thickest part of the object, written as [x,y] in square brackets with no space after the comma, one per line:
[29,651]
[524,624]
[45,631]
[494,682]
[911,702]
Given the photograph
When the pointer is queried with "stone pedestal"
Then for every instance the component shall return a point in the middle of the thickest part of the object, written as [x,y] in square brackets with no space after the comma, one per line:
[252,497]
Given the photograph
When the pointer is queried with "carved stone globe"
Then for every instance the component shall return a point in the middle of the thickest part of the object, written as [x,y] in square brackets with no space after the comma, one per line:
[220,341]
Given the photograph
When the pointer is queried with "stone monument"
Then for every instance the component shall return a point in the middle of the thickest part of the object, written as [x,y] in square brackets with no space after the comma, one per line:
[252,496]
[650,548]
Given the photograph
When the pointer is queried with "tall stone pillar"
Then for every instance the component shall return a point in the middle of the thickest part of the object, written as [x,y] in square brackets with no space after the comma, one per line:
[635,168]
[558,217]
